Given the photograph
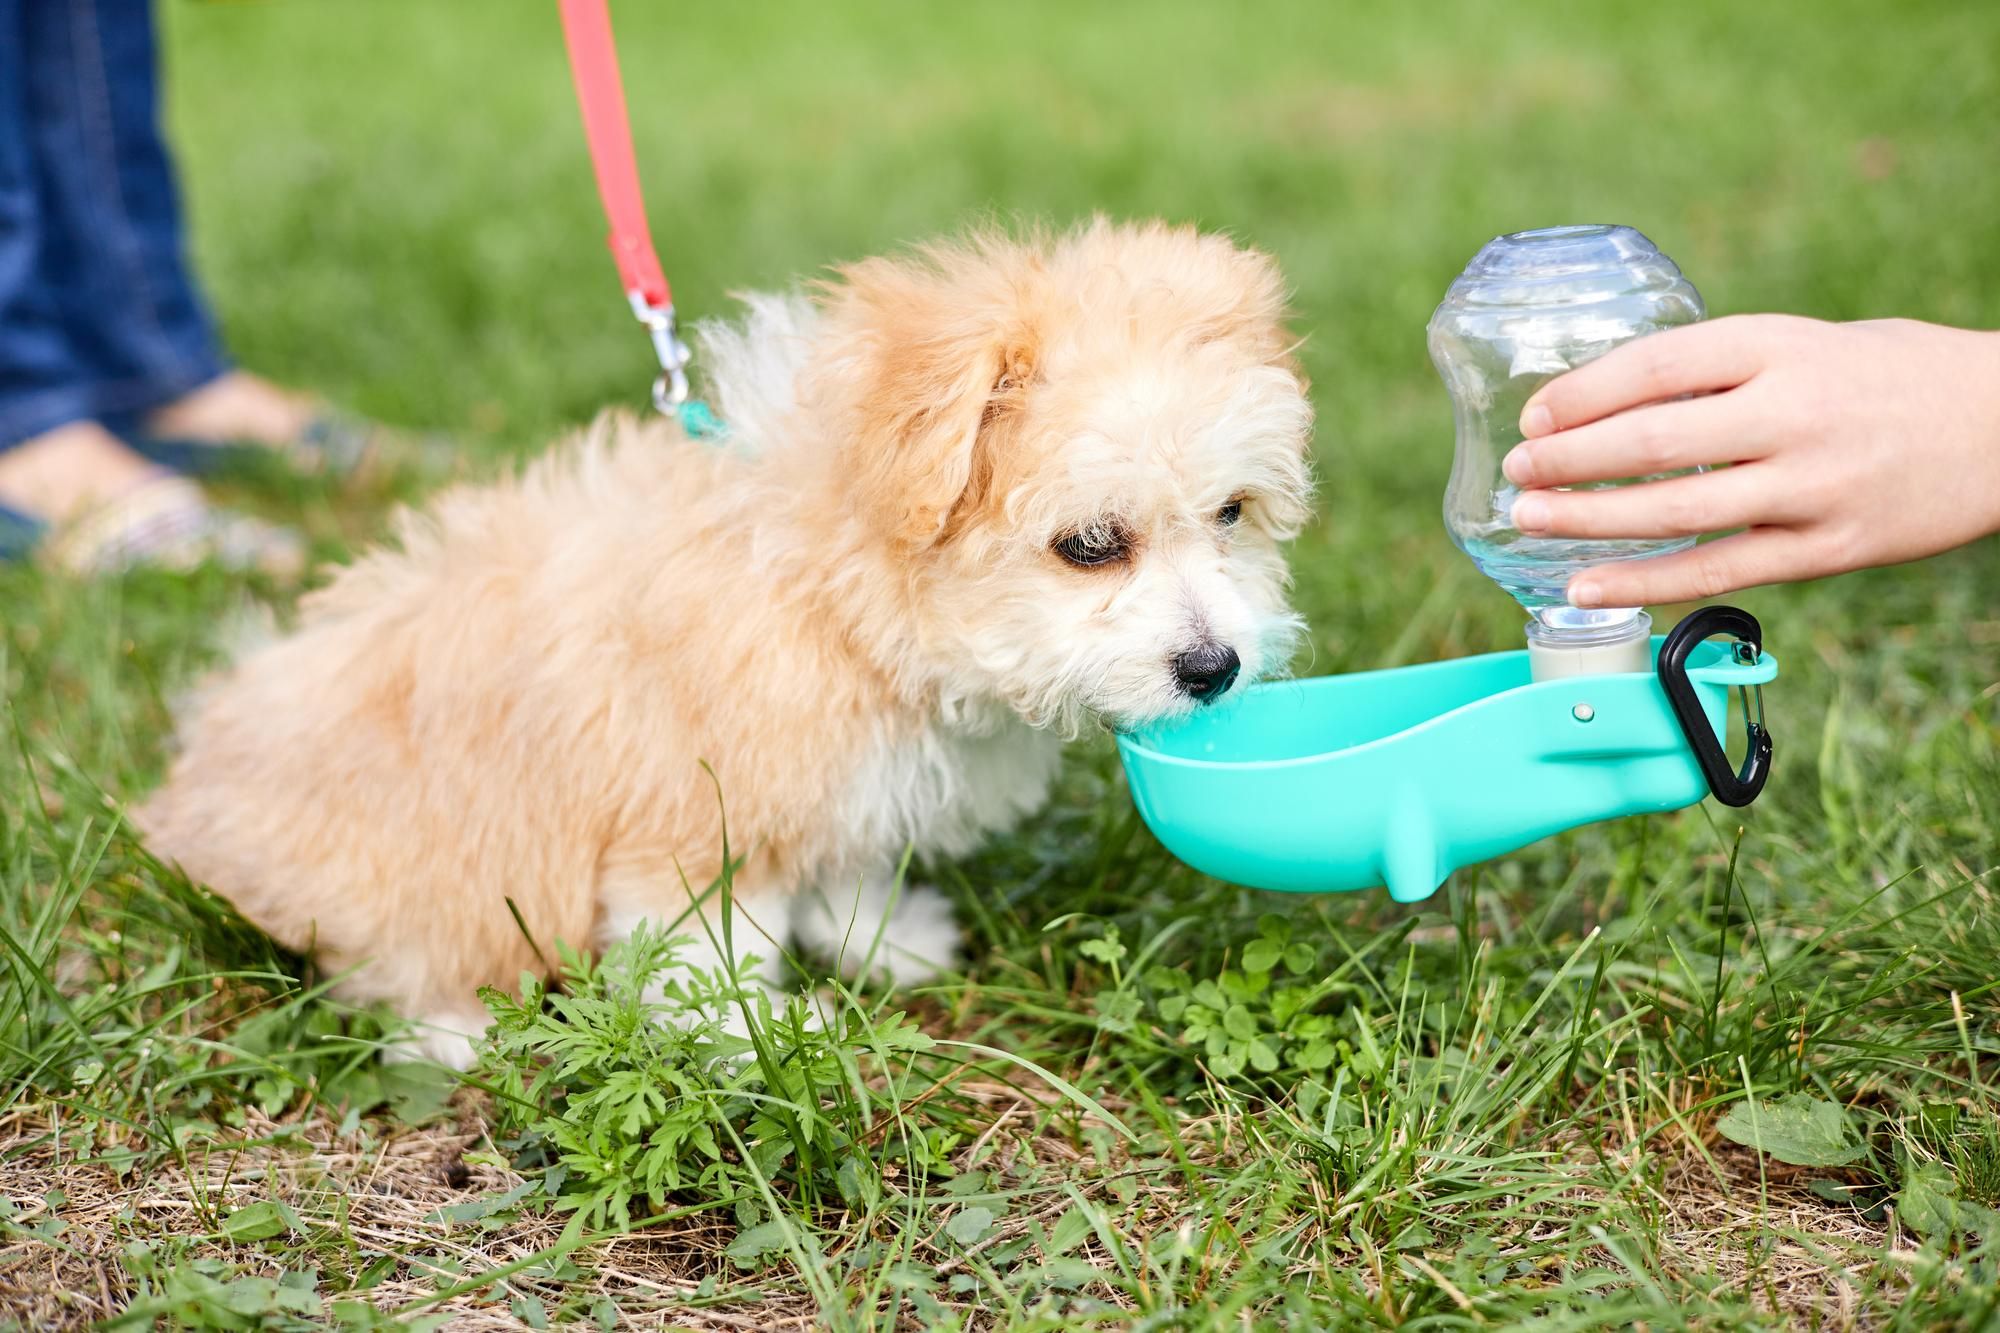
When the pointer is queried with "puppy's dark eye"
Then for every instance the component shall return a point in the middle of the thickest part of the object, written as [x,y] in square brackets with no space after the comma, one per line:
[1100,545]
[1227,515]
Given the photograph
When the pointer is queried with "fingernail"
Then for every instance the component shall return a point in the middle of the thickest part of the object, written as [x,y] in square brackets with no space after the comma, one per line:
[1585,595]
[1516,465]
[1531,513]
[1536,419]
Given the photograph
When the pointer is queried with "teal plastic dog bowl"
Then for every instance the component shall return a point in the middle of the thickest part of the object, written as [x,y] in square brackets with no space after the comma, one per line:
[1400,777]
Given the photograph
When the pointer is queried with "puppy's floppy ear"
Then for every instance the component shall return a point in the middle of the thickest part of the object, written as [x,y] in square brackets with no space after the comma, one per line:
[938,354]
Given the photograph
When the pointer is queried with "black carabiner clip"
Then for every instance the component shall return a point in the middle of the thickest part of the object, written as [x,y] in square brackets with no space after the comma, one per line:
[1731,787]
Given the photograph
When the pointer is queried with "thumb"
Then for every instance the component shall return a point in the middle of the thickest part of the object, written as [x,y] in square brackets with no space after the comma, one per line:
[1749,559]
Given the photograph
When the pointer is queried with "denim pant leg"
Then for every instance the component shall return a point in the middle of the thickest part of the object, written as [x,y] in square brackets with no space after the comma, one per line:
[98,313]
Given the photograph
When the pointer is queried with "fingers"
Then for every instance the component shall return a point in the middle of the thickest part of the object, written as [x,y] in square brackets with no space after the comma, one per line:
[1695,358]
[1747,560]
[1665,437]
[1678,507]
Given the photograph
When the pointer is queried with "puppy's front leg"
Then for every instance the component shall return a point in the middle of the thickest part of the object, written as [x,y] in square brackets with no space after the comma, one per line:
[871,921]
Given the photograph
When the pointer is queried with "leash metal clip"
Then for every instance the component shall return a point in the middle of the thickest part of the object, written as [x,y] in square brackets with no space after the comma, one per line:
[670,390]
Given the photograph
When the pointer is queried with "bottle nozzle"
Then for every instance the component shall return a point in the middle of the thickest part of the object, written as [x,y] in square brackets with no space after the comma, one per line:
[1610,649]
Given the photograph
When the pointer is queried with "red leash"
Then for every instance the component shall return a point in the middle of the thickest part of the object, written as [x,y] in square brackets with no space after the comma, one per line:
[600,93]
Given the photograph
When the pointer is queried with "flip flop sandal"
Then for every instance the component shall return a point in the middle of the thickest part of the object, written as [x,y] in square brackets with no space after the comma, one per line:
[333,442]
[165,522]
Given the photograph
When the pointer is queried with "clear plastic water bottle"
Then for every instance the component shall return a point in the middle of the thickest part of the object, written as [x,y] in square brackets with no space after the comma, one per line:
[1530,306]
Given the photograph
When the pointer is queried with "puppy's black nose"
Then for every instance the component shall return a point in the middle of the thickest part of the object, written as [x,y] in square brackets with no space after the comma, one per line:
[1206,673]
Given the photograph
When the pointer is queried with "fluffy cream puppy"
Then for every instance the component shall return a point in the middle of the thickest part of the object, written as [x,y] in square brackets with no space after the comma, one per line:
[972,499]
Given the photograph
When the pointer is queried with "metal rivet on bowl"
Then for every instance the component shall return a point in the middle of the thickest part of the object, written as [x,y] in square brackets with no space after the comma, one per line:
[1583,712]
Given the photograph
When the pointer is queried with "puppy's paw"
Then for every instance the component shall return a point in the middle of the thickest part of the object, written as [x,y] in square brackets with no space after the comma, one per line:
[445,1038]
[920,940]
[905,935]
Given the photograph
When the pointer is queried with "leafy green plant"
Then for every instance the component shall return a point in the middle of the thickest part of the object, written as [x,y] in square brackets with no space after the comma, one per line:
[1934,1204]
[1799,1129]
[626,1084]
[212,1294]
[1263,1016]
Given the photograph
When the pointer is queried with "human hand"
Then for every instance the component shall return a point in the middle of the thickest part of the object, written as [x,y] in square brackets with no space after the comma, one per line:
[1846,445]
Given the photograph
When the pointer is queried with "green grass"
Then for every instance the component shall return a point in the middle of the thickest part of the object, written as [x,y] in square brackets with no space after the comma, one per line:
[1217,1108]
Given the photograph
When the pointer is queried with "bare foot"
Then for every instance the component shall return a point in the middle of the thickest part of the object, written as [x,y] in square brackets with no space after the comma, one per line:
[68,470]
[236,406]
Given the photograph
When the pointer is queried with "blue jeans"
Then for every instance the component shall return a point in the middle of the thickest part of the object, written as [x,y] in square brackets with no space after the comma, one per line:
[99,317]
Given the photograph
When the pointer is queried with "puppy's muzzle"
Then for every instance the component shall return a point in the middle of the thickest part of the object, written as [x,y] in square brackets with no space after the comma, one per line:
[1206,672]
